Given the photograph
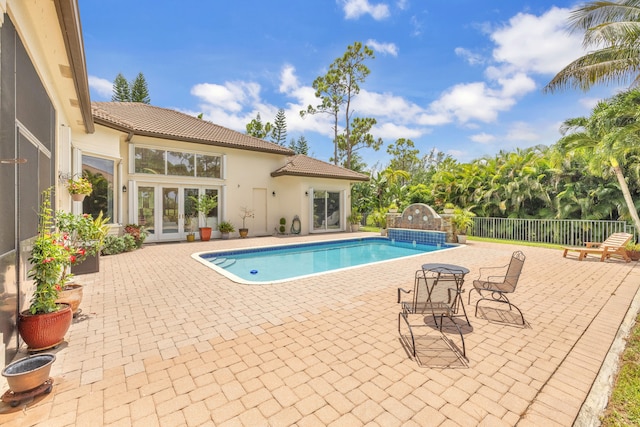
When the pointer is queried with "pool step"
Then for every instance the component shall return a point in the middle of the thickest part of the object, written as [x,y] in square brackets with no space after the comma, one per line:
[223,262]
[228,262]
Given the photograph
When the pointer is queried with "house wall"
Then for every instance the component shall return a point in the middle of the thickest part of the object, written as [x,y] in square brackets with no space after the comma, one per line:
[38,108]
[246,181]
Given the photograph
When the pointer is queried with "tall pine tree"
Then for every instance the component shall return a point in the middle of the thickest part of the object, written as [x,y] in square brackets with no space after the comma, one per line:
[121,90]
[279,132]
[139,90]
[136,91]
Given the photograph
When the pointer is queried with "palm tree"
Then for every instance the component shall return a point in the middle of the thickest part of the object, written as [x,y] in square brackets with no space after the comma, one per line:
[613,29]
[608,136]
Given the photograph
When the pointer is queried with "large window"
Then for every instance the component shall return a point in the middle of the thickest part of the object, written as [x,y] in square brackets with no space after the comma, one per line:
[101,174]
[176,163]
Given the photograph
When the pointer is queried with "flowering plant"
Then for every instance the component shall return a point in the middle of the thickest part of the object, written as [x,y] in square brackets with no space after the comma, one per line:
[82,232]
[79,186]
[50,256]
[137,232]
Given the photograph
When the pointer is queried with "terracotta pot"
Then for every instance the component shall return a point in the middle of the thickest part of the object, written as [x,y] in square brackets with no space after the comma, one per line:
[634,255]
[72,295]
[28,373]
[244,232]
[42,331]
[205,234]
[78,197]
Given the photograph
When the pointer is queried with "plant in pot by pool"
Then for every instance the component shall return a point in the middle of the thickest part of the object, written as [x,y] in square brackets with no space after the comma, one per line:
[633,251]
[244,214]
[462,222]
[188,226]
[203,204]
[225,227]
[46,321]
[282,229]
[79,188]
[354,219]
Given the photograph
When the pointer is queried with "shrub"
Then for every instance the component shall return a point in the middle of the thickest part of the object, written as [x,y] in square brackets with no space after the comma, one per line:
[137,232]
[113,245]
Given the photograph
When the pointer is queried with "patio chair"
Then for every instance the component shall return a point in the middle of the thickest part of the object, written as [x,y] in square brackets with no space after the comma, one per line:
[495,283]
[613,245]
[427,300]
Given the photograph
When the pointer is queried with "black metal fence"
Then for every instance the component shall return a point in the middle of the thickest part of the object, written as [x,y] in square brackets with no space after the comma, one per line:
[553,231]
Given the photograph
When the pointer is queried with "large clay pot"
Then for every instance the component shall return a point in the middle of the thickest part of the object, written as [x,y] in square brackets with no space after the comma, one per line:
[28,373]
[205,234]
[243,232]
[72,295]
[42,331]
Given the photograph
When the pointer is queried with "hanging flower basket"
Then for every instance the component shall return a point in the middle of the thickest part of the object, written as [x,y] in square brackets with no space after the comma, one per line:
[78,197]
[79,186]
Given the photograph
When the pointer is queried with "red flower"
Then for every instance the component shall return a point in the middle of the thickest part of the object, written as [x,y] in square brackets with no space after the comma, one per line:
[72,258]
[47,260]
[58,287]
[81,251]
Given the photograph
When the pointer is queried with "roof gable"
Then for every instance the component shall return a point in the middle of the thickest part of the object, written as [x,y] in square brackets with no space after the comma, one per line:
[301,165]
[143,119]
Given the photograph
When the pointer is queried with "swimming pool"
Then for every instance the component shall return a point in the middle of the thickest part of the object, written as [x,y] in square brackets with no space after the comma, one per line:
[274,264]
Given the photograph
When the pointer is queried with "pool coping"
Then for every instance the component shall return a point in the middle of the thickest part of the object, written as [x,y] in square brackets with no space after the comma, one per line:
[234,278]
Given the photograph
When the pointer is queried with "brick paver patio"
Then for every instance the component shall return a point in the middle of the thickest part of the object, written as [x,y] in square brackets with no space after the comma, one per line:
[163,340]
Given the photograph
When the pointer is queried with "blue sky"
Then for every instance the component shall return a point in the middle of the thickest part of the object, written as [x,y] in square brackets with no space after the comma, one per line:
[462,76]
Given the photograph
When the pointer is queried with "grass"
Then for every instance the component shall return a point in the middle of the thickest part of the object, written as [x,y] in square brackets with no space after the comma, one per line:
[623,408]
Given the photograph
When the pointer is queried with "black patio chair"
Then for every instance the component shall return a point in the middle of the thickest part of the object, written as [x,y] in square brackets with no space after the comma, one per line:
[495,283]
[427,300]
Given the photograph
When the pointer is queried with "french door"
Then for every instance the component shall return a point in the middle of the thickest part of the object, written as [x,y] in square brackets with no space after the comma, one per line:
[167,211]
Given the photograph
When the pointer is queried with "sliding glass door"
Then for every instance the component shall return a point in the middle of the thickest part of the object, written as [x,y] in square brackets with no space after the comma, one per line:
[327,211]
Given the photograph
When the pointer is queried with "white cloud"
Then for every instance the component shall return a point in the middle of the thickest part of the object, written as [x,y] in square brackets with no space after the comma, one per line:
[416,25]
[470,57]
[539,44]
[402,4]
[521,131]
[103,87]
[354,9]
[383,48]
[472,101]
[483,138]
[233,96]
[391,132]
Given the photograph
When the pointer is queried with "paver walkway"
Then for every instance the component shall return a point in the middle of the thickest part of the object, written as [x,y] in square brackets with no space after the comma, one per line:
[164,340]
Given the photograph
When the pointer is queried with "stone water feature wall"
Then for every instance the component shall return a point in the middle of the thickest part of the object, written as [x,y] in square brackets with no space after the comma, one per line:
[405,226]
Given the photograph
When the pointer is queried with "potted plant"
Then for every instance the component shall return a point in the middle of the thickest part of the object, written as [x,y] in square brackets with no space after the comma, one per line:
[462,222]
[225,227]
[188,225]
[86,235]
[633,251]
[449,208]
[79,188]
[46,322]
[244,214]
[203,205]
[354,220]
[393,208]
[282,229]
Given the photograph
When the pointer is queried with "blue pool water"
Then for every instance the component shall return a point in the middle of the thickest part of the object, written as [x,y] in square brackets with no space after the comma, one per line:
[286,262]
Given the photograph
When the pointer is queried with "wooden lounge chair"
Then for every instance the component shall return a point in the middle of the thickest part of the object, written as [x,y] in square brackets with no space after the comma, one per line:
[613,245]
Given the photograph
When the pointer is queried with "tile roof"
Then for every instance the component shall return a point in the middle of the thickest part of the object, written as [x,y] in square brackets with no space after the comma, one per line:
[143,119]
[301,165]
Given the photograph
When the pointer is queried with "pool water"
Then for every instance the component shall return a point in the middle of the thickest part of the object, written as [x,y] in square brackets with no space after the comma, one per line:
[287,262]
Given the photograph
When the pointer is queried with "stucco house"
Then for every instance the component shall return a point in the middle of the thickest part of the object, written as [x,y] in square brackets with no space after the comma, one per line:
[148,159]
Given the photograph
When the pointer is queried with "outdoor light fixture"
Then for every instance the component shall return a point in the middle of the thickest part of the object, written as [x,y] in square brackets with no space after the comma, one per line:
[124,188]
[273,194]
[306,193]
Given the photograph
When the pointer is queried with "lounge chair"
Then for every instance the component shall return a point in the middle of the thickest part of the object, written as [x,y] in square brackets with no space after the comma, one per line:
[495,283]
[429,299]
[613,245]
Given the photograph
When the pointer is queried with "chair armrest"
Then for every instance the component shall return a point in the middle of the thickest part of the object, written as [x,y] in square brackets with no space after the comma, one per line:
[592,244]
[399,293]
